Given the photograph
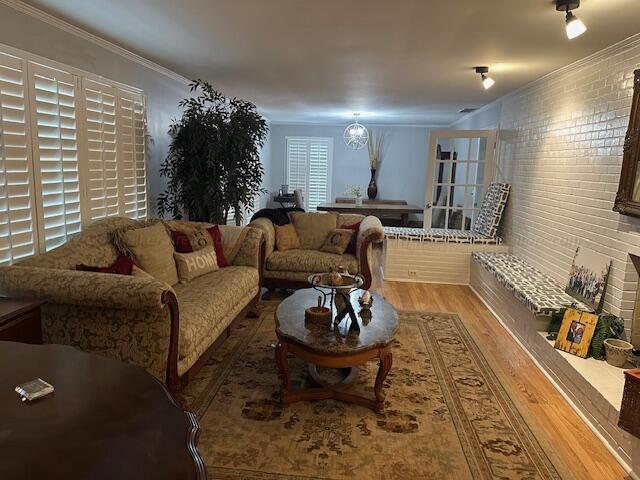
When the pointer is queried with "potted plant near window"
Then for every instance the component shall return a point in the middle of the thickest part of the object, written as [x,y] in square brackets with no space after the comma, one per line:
[213,164]
[356,192]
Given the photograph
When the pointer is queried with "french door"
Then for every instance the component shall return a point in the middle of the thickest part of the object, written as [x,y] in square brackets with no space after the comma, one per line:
[461,165]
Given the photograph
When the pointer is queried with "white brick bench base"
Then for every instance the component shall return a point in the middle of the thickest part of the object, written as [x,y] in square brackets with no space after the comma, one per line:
[432,262]
[526,326]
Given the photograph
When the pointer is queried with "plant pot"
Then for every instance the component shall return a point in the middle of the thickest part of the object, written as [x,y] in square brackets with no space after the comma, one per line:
[618,351]
[359,201]
[372,189]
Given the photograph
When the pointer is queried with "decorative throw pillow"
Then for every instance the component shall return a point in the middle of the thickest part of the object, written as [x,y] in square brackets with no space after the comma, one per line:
[286,237]
[139,273]
[199,238]
[181,242]
[351,248]
[216,236]
[313,228]
[337,241]
[152,251]
[195,264]
[122,266]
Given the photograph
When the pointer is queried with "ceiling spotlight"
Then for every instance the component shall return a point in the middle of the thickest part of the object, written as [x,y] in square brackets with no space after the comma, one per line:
[487,82]
[574,26]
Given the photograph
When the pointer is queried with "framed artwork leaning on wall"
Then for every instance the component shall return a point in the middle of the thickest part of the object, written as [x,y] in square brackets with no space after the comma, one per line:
[627,200]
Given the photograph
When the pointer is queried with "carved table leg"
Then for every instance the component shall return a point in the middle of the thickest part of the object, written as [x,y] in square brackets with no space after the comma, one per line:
[283,366]
[386,360]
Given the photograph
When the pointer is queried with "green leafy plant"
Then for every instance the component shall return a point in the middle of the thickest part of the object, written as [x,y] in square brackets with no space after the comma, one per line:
[213,164]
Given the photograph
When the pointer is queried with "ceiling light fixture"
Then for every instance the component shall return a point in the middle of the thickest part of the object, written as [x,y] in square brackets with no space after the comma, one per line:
[574,26]
[487,82]
[356,136]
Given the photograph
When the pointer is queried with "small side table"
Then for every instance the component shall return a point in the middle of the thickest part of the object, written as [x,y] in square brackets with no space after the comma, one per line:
[20,320]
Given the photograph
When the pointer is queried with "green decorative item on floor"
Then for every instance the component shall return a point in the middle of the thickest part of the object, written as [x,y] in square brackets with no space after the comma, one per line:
[608,326]
[213,165]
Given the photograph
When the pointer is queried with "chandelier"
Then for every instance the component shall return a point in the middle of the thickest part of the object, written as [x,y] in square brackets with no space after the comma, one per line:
[356,136]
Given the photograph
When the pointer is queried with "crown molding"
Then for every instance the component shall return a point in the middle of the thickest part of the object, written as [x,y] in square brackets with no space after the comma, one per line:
[90,37]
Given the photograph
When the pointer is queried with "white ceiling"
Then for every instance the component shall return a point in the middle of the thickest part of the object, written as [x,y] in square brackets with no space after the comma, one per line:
[396,61]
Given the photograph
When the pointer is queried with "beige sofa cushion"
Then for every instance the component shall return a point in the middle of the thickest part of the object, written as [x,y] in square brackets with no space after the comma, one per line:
[195,264]
[209,303]
[311,261]
[152,251]
[286,237]
[313,228]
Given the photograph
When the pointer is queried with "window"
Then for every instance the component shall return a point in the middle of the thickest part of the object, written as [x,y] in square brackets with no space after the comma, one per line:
[72,150]
[308,168]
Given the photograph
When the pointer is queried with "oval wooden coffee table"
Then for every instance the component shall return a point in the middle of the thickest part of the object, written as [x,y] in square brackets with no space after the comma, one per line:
[338,347]
[105,420]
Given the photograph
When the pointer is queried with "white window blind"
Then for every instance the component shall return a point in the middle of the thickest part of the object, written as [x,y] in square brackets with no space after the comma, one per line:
[55,152]
[308,168]
[17,205]
[72,150]
[132,158]
[103,196]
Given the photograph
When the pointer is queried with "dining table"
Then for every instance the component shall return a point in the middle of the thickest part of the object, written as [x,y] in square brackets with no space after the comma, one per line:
[378,209]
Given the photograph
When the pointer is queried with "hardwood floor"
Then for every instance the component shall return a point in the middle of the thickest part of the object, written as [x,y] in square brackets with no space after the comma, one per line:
[571,438]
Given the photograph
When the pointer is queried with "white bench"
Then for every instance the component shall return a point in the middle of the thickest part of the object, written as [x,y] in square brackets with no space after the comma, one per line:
[437,255]
[523,298]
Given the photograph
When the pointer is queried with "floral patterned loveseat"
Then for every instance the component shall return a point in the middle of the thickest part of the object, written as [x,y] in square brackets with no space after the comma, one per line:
[291,268]
[162,328]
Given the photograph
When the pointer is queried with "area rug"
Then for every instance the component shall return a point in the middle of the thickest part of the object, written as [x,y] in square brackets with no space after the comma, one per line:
[446,416]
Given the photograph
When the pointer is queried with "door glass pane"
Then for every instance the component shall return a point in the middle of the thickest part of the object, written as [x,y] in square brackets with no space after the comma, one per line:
[455,219]
[438,217]
[473,197]
[461,148]
[476,173]
[440,195]
[478,147]
[456,196]
[459,172]
[443,172]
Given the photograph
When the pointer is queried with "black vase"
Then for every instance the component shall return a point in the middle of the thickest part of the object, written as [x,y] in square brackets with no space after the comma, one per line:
[372,189]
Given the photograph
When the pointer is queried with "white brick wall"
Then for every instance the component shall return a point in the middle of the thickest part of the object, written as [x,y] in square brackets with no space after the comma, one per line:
[561,141]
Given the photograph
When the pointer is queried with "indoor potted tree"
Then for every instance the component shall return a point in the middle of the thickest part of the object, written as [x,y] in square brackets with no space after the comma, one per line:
[213,164]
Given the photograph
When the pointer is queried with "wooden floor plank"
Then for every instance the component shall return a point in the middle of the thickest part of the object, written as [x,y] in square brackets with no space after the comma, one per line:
[571,439]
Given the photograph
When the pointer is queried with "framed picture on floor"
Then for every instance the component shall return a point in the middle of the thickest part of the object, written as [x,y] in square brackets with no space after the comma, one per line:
[588,277]
[576,332]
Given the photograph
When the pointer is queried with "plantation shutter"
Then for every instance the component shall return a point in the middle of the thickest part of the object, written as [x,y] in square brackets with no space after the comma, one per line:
[103,193]
[308,163]
[18,237]
[55,151]
[132,154]
[318,173]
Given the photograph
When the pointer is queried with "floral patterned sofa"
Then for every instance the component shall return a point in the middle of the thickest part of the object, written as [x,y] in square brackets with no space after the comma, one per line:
[291,268]
[168,330]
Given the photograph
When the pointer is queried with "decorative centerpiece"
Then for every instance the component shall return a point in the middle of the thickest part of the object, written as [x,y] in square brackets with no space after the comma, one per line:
[366,300]
[336,287]
[318,313]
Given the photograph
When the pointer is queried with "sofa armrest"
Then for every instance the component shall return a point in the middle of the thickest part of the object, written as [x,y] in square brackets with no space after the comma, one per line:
[371,231]
[250,252]
[84,288]
[269,232]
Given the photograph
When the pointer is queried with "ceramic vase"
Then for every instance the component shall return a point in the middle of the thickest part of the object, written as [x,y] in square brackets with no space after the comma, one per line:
[372,189]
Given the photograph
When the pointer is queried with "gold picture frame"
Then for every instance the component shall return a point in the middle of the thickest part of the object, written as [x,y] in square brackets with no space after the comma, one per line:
[576,332]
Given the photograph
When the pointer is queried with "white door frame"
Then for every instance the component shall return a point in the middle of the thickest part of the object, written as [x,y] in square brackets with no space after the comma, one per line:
[489,169]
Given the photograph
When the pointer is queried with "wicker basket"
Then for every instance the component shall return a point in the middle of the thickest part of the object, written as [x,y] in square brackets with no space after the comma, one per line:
[617,351]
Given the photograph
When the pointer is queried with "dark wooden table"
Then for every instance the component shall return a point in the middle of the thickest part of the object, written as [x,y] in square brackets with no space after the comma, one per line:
[105,420]
[322,344]
[20,320]
[375,209]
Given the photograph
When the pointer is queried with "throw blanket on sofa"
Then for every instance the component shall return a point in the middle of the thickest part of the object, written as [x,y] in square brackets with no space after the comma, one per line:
[278,216]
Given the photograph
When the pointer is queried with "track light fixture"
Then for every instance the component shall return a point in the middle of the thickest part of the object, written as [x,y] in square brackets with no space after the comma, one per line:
[574,26]
[487,82]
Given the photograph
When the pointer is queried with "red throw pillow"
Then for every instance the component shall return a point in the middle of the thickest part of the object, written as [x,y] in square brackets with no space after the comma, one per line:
[181,242]
[351,248]
[216,236]
[122,266]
